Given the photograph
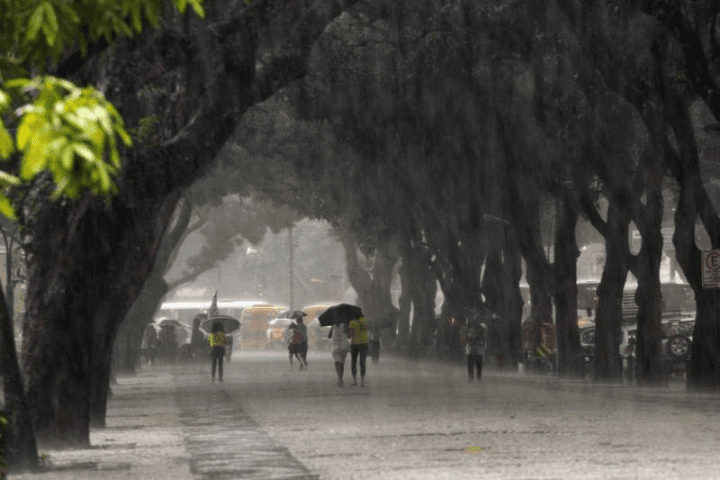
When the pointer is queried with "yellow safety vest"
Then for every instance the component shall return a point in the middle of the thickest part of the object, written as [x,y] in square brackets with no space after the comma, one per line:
[217,339]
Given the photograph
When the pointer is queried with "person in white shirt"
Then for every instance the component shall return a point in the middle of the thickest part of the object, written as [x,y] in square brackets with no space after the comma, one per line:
[339,347]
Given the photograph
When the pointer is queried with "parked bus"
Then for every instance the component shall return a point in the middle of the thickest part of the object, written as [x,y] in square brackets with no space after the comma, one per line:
[317,335]
[186,311]
[254,324]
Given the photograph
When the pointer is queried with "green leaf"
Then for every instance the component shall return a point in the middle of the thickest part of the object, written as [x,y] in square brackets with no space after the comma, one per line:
[30,123]
[7,179]
[52,20]
[6,207]
[67,156]
[114,158]
[36,21]
[104,179]
[6,143]
[136,14]
[85,152]
[34,160]
[76,121]
[152,12]
[4,101]
[181,5]
[17,83]
[50,28]
[197,6]
[123,135]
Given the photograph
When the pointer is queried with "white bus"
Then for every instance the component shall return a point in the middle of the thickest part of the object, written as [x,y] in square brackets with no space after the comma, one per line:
[185,311]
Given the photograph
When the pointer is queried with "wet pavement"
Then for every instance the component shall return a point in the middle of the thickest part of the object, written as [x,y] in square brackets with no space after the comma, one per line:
[224,442]
[413,420]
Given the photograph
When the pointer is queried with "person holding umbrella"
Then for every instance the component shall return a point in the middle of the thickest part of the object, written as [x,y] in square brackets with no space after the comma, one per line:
[294,342]
[358,333]
[339,347]
[302,328]
[338,316]
[217,341]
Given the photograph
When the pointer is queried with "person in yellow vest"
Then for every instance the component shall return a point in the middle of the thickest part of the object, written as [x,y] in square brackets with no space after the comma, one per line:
[358,333]
[217,341]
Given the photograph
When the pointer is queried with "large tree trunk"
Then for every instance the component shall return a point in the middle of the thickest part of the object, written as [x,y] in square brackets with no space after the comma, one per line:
[69,338]
[493,288]
[610,290]
[649,368]
[20,450]
[537,272]
[405,300]
[423,291]
[513,307]
[566,327]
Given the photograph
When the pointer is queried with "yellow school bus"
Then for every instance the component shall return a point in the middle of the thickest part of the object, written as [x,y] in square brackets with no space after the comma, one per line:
[254,324]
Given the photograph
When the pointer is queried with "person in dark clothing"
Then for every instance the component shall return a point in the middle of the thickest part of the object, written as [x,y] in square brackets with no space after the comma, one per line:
[474,337]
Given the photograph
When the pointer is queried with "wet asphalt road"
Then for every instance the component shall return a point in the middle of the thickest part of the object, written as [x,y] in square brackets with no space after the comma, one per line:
[413,420]
[423,420]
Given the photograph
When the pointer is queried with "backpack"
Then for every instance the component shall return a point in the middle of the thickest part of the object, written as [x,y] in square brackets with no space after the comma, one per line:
[296,337]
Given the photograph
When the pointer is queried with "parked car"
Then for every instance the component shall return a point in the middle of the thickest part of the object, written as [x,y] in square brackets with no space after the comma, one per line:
[675,344]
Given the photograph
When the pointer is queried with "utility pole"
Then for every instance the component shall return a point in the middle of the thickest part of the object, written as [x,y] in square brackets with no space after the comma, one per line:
[219,276]
[291,261]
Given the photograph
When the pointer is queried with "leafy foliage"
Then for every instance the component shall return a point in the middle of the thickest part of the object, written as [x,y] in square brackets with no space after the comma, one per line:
[59,127]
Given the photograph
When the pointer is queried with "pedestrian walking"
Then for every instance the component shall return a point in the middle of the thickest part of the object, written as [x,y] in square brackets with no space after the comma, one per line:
[217,341]
[358,333]
[148,347]
[339,347]
[474,338]
[294,342]
[302,328]
[168,345]
[197,339]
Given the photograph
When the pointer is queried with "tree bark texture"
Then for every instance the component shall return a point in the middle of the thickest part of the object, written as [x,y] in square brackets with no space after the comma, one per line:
[610,290]
[20,449]
[566,255]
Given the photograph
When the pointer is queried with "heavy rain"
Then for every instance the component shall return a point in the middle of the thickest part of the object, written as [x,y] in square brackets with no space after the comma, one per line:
[396,239]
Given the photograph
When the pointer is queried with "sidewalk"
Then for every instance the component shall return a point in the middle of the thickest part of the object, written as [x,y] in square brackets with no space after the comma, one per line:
[143,438]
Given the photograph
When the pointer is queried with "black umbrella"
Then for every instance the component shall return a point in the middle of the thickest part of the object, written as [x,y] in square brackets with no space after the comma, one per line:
[292,314]
[343,312]
[230,324]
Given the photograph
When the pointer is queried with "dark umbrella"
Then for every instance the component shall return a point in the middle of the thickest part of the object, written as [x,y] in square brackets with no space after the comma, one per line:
[293,314]
[230,324]
[479,314]
[343,312]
